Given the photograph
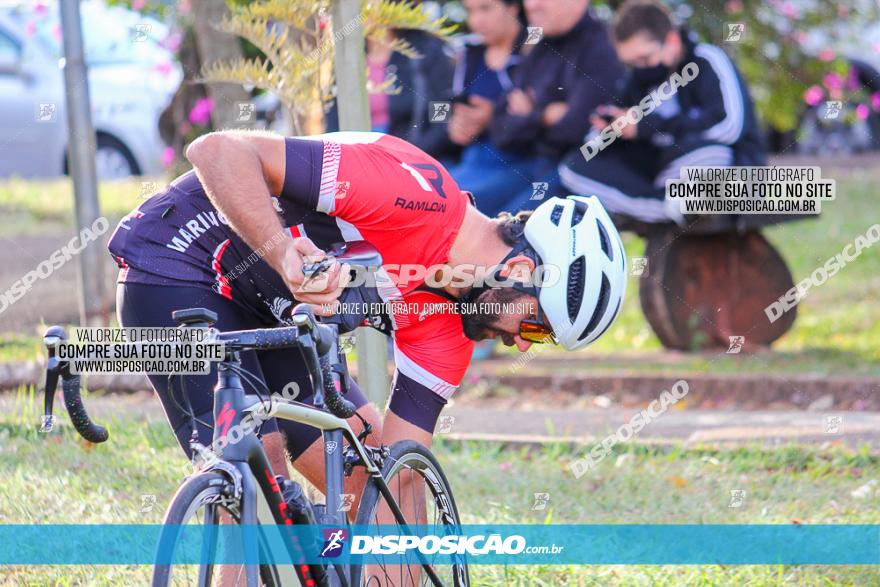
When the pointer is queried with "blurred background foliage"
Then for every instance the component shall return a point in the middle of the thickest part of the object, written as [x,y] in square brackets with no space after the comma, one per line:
[297,39]
[793,53]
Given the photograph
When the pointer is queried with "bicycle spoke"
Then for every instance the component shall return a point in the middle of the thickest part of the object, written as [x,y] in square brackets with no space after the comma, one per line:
[419,496]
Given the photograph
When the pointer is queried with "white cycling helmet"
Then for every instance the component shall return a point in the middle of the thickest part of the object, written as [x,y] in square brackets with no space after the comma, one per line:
[576,235]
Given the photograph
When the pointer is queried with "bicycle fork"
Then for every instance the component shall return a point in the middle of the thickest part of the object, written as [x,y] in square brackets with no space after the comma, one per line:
[243,452]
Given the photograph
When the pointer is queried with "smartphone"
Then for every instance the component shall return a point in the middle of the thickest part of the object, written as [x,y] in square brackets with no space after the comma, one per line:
[312,270]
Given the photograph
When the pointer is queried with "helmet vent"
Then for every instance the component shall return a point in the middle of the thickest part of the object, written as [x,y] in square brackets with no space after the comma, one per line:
[556,214]
[575,293]
[601,306]
[580,209]
[604,241]
[610,322]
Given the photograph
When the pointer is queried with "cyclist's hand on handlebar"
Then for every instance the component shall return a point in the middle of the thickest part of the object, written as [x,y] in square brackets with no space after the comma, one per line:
[322,289]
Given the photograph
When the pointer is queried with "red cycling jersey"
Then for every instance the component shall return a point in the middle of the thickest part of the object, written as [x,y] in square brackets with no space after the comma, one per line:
[363,186]
[386,191]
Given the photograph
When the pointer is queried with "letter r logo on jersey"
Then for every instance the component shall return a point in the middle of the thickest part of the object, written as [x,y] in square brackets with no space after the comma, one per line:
[435,178]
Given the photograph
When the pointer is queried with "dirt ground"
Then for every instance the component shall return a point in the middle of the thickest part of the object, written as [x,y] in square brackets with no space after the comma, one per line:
[50,301]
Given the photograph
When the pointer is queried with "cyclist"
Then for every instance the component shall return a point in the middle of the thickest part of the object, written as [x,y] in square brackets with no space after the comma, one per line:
[192,245]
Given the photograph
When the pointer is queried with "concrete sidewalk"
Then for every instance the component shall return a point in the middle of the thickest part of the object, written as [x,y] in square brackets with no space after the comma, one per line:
[724,427]
[491,420]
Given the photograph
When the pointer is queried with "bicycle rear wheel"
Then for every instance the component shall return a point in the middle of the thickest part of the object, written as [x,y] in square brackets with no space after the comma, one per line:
[422,491]
[205,500]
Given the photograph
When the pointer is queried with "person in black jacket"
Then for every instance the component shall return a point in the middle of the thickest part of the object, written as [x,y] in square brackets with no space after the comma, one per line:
[570,70]
[695,111]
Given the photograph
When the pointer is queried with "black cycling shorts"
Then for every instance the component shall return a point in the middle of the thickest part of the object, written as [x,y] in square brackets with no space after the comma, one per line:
[143,305]
[151,305]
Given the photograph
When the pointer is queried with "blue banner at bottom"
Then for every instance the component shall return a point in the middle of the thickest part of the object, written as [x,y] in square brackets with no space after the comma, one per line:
[475,544]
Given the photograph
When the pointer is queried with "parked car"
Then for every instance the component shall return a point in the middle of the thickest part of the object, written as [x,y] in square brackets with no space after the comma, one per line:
[132,78]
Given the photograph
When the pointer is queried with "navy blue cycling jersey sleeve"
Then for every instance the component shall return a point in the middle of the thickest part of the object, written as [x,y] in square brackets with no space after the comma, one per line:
[302,171]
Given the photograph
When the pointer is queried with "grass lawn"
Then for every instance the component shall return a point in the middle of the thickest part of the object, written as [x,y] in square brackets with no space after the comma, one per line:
[61,479]
[31,206]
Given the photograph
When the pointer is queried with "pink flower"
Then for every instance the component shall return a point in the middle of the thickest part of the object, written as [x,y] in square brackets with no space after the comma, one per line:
[30,28]
[172,42]
[813,95]
[826,55]
[41,8]
[875,101]
[184,7]
[201,112]
[733,6]
[138,4]
[168,157]
[852,81]
[56,32]
[165,67]
[862,111]
[833,81]
[788,10]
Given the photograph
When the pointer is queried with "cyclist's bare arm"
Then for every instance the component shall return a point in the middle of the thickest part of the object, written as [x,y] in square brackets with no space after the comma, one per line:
[239,171]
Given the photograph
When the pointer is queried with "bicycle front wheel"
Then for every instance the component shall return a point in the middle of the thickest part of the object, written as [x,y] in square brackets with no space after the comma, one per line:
[422,492]
[205,500]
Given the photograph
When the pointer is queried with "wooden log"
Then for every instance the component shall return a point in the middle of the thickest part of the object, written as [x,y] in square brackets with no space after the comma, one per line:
[699,290]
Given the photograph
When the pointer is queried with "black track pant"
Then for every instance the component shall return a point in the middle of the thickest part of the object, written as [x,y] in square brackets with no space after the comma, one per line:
[629,177]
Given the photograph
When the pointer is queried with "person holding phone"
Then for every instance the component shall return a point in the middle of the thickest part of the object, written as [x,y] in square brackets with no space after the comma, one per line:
[485,61]
[695,110]
[568,68]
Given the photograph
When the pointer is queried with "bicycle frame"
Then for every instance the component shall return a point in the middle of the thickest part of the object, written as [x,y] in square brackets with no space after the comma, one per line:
[248,457]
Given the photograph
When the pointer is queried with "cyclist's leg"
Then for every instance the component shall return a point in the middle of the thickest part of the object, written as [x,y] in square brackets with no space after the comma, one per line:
[412,413]
[304,443]
[151,306]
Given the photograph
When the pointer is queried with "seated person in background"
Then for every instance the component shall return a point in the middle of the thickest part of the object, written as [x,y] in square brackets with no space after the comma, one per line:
[406,114]
[482,73]
[567,73]
[708,121]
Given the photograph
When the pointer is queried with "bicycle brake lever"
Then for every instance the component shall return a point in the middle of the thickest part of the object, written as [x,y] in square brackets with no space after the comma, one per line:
[312,270]
[51,338]
[48,420]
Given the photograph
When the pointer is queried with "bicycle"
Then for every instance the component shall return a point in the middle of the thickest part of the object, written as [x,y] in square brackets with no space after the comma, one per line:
[240,485]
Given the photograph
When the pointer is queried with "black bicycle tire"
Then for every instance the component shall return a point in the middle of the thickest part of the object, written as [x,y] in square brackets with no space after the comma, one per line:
[371,495]
[183,499]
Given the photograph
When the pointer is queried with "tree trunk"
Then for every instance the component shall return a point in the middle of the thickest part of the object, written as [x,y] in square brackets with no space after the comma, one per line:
[214,45]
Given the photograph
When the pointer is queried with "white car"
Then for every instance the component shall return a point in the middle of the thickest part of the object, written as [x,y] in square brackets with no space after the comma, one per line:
[132,78]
